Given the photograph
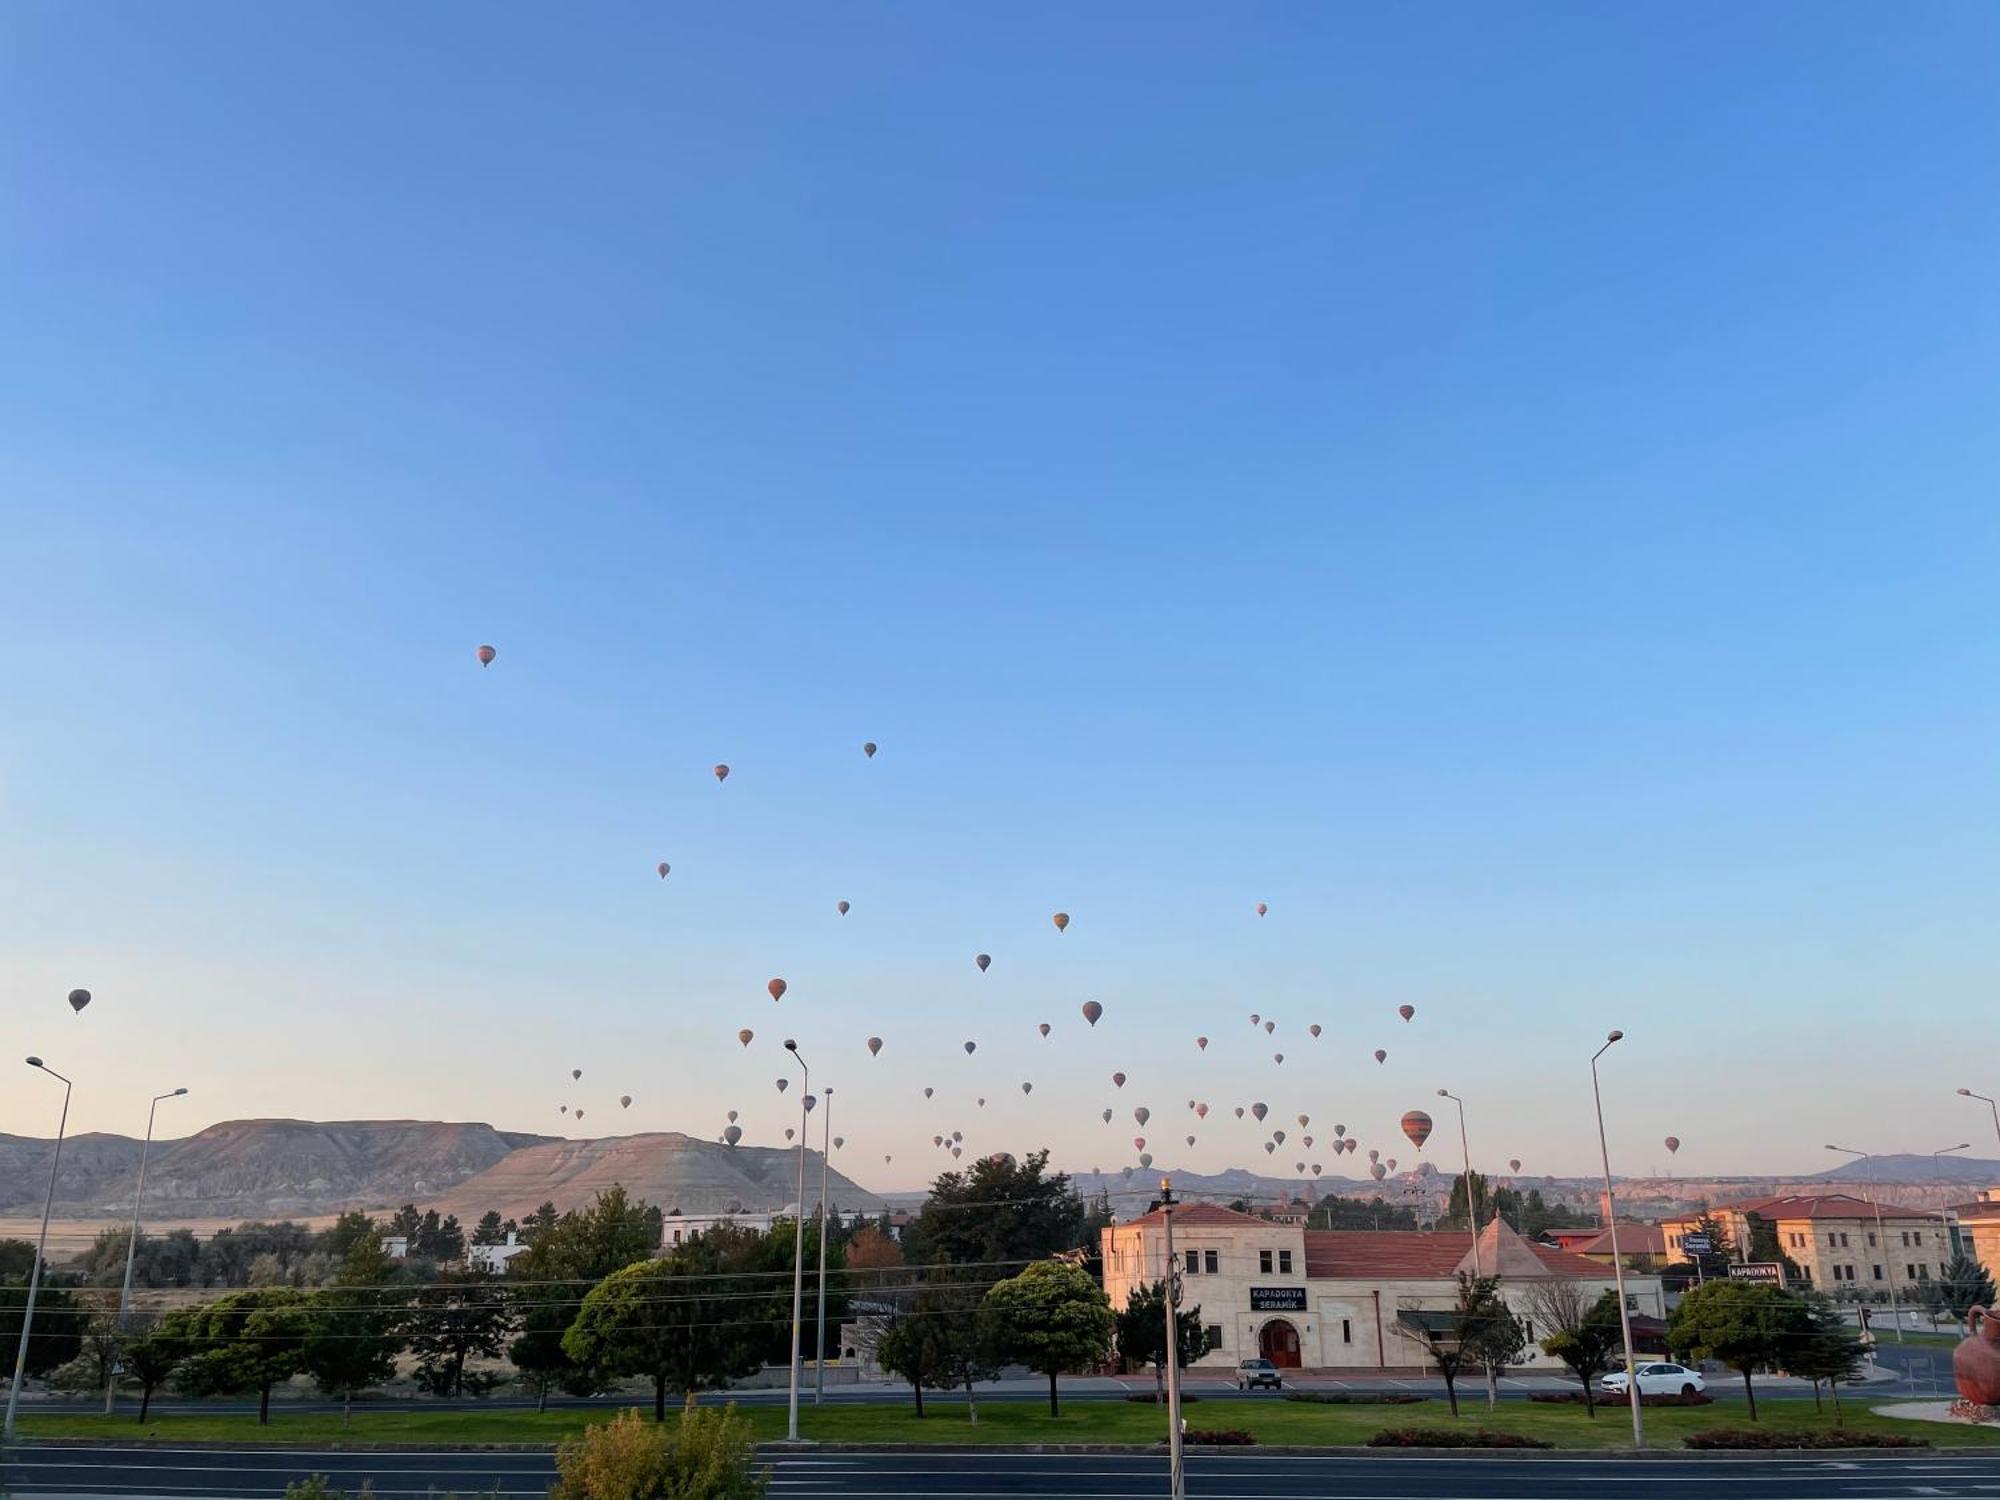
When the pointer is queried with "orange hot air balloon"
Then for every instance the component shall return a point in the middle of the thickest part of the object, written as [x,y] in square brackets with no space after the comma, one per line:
[1417,1126]
[868,748]
[1061,919]
[841,907]
[1043,1028]
[874,1046]
[970,1048]
[984,960]
[721,771]
[1262,908]
[1258,1111]
[777,987]
[1118,1080]
[1380,1055]
[1201,1043]
[1091,1011]
[78,999]
[1673,1144]
[745,1036]
[1406,1011]
[486,655]
[663,867]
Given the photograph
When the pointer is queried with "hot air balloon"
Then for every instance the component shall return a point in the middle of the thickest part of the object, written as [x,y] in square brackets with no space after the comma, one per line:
[1091,1011]
[970,1048]
[1239,1111]
[1027,1088]
[1673,1144]
[732,1135]
[1201,1111]
[1339,1129]
[732,1117]
[1118,1080]
[887,1159]
[777,987]
[874,1046]
[1255,1018]
[937,1140]
[809,1101]
[624,1101]
[927,1093]
[839,1141]
[1270,1147]
[1406,1011]
[1061,919]
[789,1132]
[984,960]
[1190,1140]
[1314,1029]
[1262,908]
[579,1112]
[1315,1173]
[1146,1160]
[745,1036]
[1374,1155]
[562,1109]
[78,999]
[1304,1120]
[1378,1171]
[1107,1117]
[1269,1027]
[1277,1057]
[721,772]
[1514,1165]
[1258,1111]
[1043,1028]
[1142,1114]
[956,1152]
[486,655]
[575,1073]
[1417,1126]
[841,907]
[783,1084]
[1380,1055]
[1278,1136]
[958,1135]
[663,867]
[1138,1143]
[868,748]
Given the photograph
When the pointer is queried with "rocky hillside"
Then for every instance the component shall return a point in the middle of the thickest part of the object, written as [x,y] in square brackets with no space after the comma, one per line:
[256,1169]
[667,1168]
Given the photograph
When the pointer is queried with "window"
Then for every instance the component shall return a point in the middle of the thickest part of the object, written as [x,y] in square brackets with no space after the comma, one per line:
[1210,1262]
[1871,1241]
[1213,1332]
[1346,1331]
[1910,1273]
[1263,1263]
[1193,1264]
[1876,1269]
[1284,1262]
[1906,1239]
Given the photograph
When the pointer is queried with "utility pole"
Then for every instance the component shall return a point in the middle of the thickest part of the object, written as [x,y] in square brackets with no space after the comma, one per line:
[41,1254]
[798,1249]
[825,1151]
[1632,1396]
[131,1254]
[1176,1473]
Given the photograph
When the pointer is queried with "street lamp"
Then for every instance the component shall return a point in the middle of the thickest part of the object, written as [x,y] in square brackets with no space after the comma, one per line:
[131,1252]
[1990,1102]
[1632,1398]
[1881,1234]
[825,1152]
[1176,1465]
[41,1252]
[1937,1165]
[798,1245]
[1471,1207]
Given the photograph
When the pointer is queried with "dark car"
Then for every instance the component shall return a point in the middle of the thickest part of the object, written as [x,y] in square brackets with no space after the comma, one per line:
[1254,1374]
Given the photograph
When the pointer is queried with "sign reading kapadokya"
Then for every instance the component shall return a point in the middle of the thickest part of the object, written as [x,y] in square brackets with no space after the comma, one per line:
[1277,1299]
[1759,1270]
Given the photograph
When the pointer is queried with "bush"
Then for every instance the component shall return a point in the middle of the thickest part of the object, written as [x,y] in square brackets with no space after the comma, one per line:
[1609,1398]
[1223,1437]
[1154,1398]
[1355,1398]
[1452,1437]
[1752,1437]
[708,1456]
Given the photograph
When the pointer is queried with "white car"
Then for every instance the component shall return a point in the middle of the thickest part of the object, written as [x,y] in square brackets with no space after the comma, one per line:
[1657,1380]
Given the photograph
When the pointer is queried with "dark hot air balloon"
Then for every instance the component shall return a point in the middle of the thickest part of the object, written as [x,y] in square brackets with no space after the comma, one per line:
[1029,1088]
[624,1101]
[789,1132]
[1406,1011]
[1061,919]
[1417,1126]
[1380,1056]
[1378,1172]
[732,1135]
[1514,1165]
[1262,908]
[874,1046]
[1044,1030]
[78,999]
[721,772]
[1258,1111]
[1142,1114]
[1673,1144]
[868,748]
[732,1117]
[841,907]
[575,1073]
[663,867]
[783,1084]
[1314,1029]
[1269,1027]
[927,1094]
[1107,1120]
[486,655]
[1091,1011]
[1190,1140]
[1201,1045]
[839,1141]
[972,1047]
[745,1036]
[777,987]
[984,960]
[1118,1082]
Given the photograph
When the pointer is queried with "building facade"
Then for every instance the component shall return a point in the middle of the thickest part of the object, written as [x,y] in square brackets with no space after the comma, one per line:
[1835,1241]
[1329,1299]
[1979,1228]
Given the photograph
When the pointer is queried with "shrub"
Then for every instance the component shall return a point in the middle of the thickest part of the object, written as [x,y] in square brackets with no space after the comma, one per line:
[1355,1398]
[1452,1437]
[1608,1398]
[1752,1437]
[1154,1398]
[1223,1437]
[708,1456]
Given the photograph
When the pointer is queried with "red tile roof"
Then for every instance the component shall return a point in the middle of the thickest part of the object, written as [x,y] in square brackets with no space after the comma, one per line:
[1817,1206]
[1633,1239]
[1403,1253]
[1201,1216]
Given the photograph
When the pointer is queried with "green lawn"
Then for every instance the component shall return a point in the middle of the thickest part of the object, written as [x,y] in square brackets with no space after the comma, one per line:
[1271,1420]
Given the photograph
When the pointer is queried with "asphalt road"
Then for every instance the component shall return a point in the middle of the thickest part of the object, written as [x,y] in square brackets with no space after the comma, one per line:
[211,1474]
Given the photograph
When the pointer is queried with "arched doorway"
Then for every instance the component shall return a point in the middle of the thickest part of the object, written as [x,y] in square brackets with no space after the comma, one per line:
[1278,1341]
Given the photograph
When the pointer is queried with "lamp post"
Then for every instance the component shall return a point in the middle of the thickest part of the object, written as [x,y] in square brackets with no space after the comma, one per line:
[1632,1397]
[825,1151]
[1176,1471]
[1937,1163]
[132,1252]
[1471,1207]
[41,1253]
[1881,1235]
[798,1246]
[1990,1102]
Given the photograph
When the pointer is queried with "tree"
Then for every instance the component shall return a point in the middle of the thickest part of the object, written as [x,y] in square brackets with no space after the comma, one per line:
[1746,1325]
[1142,1331]
[542,1221]
[1467,1333]
[488,1230]
[1586,1336]
[1454,1208]
[60,1321]
[873,1258]
[675,1320]
[707,1455]
[1964,1286]
[463,1314]
[354,1342]
[913,1347]
[999,1214]
[1356,1213]
[1824,1348]
[154,1349]
[247,1341]
[566,1257]
[339,1238]
[1494,1337]
[1054,1318]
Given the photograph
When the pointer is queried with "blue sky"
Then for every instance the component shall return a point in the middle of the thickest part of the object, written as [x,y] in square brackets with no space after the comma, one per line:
[1511,487]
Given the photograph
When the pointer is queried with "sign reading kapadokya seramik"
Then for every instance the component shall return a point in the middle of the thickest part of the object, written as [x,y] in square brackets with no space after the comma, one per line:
[1277,1299]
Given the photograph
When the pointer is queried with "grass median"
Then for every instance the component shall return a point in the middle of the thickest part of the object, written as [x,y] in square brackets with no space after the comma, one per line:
[1269,1420]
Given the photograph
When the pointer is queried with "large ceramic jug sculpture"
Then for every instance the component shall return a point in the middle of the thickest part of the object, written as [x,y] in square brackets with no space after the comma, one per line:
[1975,1364]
